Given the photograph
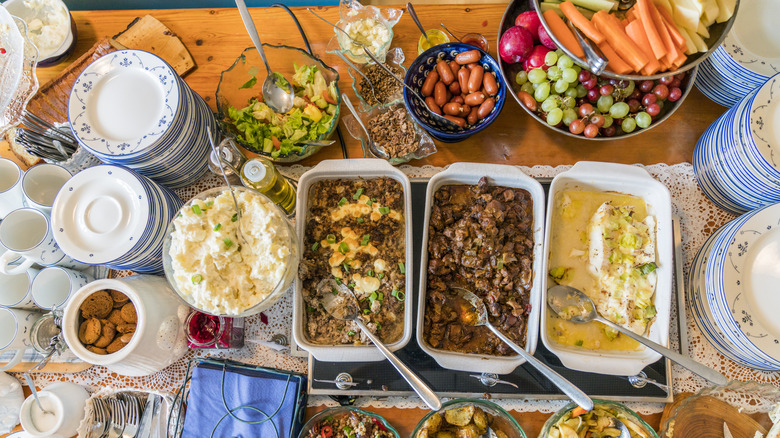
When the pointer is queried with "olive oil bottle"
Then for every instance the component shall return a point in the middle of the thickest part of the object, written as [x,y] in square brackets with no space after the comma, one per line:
[260,174]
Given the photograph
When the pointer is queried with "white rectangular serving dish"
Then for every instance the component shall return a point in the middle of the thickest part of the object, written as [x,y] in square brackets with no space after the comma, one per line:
[349,169]
[499,175]
[627,180]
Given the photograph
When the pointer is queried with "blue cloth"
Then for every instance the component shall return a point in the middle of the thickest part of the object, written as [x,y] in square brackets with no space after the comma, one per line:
[259,388]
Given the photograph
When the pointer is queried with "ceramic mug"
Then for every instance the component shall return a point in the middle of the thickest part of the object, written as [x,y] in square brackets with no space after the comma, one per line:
[17,290]
[65,402]
[11,196]
[41,183]
[15,327]
[55,285]
[27,232]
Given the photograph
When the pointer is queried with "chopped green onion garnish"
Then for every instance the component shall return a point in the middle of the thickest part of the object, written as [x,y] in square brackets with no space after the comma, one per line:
[338,280]
[357,194]
[579,343]
[310,309]
[330,238]
[380,276]
[197,278]
[315,246]
[209,203]
[346,267]
[366,311]
[348,429]
[384,210]
[360,220]
[234,218]
[342,201]
[228,242]
[373,199]
[335,291]
[647,268]
[366,238]
[351,284]
[196,208]
[380,296]
[373,297]
[399,295]
[369,202]
[217,227]
[370,273]
[343,248]
[402,267]
[379,326]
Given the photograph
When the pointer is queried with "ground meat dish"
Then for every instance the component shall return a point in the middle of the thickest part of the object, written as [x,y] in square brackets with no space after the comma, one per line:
[355,233]
[352,425]
[481,239]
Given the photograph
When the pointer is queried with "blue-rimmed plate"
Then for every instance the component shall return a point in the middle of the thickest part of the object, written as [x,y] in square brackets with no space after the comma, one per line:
[754,40]
[123,103]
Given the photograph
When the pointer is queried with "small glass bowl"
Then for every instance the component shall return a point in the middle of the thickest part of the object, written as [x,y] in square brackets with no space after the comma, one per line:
[476,40]
[502,420]
[292,261]
[395,58]
[340,411]
[548,425]
[436,36]
[19,82]
[425,147]
[353,10]
[249,64]
[56,54]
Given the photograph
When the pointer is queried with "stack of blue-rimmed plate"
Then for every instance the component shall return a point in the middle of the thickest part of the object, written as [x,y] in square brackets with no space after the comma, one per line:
[131,108]
[732,289]
[111,215]
[749,55]
[737,159]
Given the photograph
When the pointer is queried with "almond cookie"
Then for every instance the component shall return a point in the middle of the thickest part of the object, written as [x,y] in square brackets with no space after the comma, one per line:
[82,332]
[115,346]
[96,350]
[125,338]
[97,305]
[128,313]
[125,328]
[115,317]
[92,331]
[106,335]
[119,298]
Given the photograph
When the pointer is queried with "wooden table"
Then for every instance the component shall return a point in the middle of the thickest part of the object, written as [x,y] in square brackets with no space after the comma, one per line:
[215,37]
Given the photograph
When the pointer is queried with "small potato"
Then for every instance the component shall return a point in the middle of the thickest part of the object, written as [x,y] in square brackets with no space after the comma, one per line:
[500,434]
[459,416]
[481,420]
[468,431]
[433,423]
[445,434]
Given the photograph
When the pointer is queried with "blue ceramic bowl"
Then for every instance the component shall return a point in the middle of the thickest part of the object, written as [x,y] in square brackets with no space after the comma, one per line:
[416,75]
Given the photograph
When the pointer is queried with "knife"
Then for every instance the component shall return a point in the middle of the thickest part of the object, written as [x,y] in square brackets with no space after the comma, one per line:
[726,431]
[145,427]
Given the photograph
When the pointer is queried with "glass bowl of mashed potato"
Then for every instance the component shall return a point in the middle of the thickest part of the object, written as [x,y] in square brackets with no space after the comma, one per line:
[218,270]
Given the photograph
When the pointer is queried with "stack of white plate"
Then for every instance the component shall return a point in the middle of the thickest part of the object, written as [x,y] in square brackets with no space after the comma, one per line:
[110,215]
[732,289]
[131,108]
[749,55]
[737,159]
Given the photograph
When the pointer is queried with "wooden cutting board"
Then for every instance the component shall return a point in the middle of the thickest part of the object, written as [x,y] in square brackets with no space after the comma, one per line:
[704,417]
[149,34]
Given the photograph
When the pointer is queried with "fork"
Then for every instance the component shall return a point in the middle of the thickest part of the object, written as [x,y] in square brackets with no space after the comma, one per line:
[118,416]
[101,417]
[132,406]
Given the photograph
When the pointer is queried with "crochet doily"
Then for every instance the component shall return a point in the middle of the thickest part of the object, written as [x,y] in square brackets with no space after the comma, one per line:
[698,216]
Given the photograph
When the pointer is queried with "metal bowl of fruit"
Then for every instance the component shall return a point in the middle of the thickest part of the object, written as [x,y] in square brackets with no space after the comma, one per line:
[644,39]
[563,96]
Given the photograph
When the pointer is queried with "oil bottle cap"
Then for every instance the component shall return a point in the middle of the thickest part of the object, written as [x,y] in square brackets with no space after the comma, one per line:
[254,171]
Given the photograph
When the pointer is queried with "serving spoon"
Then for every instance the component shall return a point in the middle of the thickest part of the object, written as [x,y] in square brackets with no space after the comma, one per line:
[340,302]
[371,145]
[416,20]
[573,304]
[617,424]
[564,385]
[277,91]
[596,63]
[447,122]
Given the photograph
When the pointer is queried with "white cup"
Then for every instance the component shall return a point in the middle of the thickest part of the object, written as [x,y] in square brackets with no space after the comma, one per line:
[65,402]
[41,183]
[16,290]
[11,196]
[26,232]
[15,326]
[53,286]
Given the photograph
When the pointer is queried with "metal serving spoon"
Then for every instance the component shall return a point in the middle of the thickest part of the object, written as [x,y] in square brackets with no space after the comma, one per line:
[277,91]
[596,63]
[416,20]
[230,186]
[617,424]
[440,118]
[357,69]
[448,31]
[340,302]
[564,385]
[573,304]
[371,145]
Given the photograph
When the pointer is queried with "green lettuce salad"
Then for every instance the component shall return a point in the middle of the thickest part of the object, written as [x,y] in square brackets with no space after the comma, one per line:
[314,108]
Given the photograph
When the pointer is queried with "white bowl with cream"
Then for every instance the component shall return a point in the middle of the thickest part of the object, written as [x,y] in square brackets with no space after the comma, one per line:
[49,26]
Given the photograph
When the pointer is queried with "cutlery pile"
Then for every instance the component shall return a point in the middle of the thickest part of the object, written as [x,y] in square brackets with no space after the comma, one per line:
[125,415]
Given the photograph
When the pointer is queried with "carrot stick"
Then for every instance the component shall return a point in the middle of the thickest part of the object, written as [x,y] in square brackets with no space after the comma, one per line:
[616,63]
[563,33]
[672,51]
[636,32]
[581,22]
[677,36]
[653,37]
[619,41]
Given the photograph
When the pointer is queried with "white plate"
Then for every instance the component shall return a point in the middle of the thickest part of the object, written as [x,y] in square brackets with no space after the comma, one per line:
[124,102]
[629,180]
[764,114]
[751,273]
[100,214]
[754,40]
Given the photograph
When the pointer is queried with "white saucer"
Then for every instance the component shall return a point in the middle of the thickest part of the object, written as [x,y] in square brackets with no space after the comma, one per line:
[100,214]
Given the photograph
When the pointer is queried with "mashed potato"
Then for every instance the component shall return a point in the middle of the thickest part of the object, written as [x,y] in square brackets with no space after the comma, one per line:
[213,268]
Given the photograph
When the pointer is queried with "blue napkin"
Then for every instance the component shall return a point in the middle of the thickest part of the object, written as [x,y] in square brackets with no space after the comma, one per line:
[278,394]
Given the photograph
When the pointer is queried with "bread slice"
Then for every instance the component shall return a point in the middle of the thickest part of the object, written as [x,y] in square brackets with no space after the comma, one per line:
[18,150]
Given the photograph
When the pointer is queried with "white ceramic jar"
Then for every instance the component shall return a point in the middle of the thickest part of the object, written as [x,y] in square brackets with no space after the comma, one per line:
[159,338]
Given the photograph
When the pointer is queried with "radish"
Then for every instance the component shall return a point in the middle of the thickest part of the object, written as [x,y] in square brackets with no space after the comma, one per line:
[530,20]
[515,45]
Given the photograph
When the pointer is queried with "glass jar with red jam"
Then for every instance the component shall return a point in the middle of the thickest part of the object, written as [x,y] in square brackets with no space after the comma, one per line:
[476,40]
[209,331]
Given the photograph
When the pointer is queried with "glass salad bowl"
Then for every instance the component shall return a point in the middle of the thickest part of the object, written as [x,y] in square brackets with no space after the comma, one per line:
[370,25]
[502,423]
[567,420]
[395,58]
[243,81]
[18,82]
[329,419]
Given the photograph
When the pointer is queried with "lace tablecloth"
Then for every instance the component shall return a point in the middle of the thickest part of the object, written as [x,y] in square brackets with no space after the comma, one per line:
[698,216]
